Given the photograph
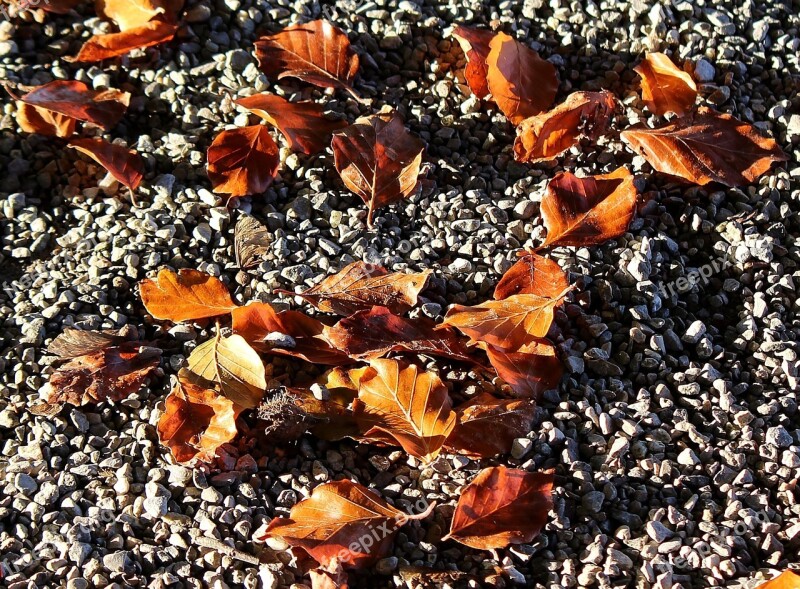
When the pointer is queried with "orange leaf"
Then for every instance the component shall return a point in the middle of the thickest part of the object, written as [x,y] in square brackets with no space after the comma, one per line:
[32,119]
[196,421]
[522,83]
[475,45]
[101,47]
[588,211]
[502,506]
[243,161]
[706,146]
[788,579]
[532,274]
[185,296]
[303,124]
[316,52]
[529,370]
[360,286]
[487,426]
[545,136]
[75,100]
[378,160]
[665,88]
[412,407]
[333,417]
[123,164]
[129,14]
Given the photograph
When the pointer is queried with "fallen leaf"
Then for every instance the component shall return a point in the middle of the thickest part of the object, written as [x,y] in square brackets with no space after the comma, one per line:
[196,422]
[333,416]
[378,159]
[547,135]
[316,52]
[59,6]
[32,119]
[502,506]
[588,211]
[72,343]
[243,161]
[303,124]
[185,296]
[256,321]
[251,241]
[665,88]
[487,426]
[522,83]
[361,286]
[788,579]
[330,577]
[75,100]
[410,406]
[532,274]
[371,334]
[528,370]
[125,165]
[230,363]
[129,14]
[430,578]
[100,47]
[706,146]
[475,45]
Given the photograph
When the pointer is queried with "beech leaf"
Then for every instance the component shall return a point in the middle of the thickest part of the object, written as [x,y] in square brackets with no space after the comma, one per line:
[665,88]
[475,45]
[185,296]
[129,14]
[528,370]
[100,47]
[72,343]
[76,100]
[125,165]
[251,240]
[243,161]
[33,119]
[532,274]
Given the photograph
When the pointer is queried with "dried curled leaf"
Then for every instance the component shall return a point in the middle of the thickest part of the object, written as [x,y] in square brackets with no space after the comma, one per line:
[129,14]
[100,47]
[665,88]
[706,146]
[528,370]
[185,296]
[77,101]
[125,165]
[378,160]
[333,415]
[532,274]
[502,506]
[72,343]
[475,45]
[588,211]
[251,241]
[545,136]
[243,161]
[303,124]
[32,119]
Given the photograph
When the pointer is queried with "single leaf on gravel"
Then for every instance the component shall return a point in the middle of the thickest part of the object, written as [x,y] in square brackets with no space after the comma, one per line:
[502,506]
[100,47]
[341,521]
[665,88]
[310,337]
[125,165]
[251,241]
[547,135]
[487,426]
[406,403]
[528,370]
[532,274]
[76,100]
[371,334]
[243,161]
[378,159]
[522,83]
[303,124]
[316,52]
[475,45]
[788,579]
[196,421]
[361,286]
[706,146]
[185,296]
[32,119]
[588,211]
[72,343]
[233,365]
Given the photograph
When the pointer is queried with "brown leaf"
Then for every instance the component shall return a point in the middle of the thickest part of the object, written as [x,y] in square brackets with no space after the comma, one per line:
[545,136]
[410,405]
[333,416]
[125,165]
[330,577]
[430,578]
[185,296]
[502,506]
[303,124]
[788,579]
[487,426]
[588,211]
[243,161]
[196,422]
[129,14]
[59,6]
[522,83]
[475,45]
[32,119]
[529,370]
[532,274]
[72,343]
[257,320]
[665,88]
[75,100]
[361,286]
[341,521]
[316,52]
[371,334]
[251,240]
[100,47]
[378,159]
[706,146]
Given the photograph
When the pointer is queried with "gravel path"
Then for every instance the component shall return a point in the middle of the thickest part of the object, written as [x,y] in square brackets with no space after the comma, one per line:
[676,435]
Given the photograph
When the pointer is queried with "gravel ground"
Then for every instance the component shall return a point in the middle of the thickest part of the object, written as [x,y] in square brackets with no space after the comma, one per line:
[676,434]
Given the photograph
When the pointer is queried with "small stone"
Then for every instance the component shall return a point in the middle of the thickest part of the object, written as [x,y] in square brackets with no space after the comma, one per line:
[657,531]
[156,506]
